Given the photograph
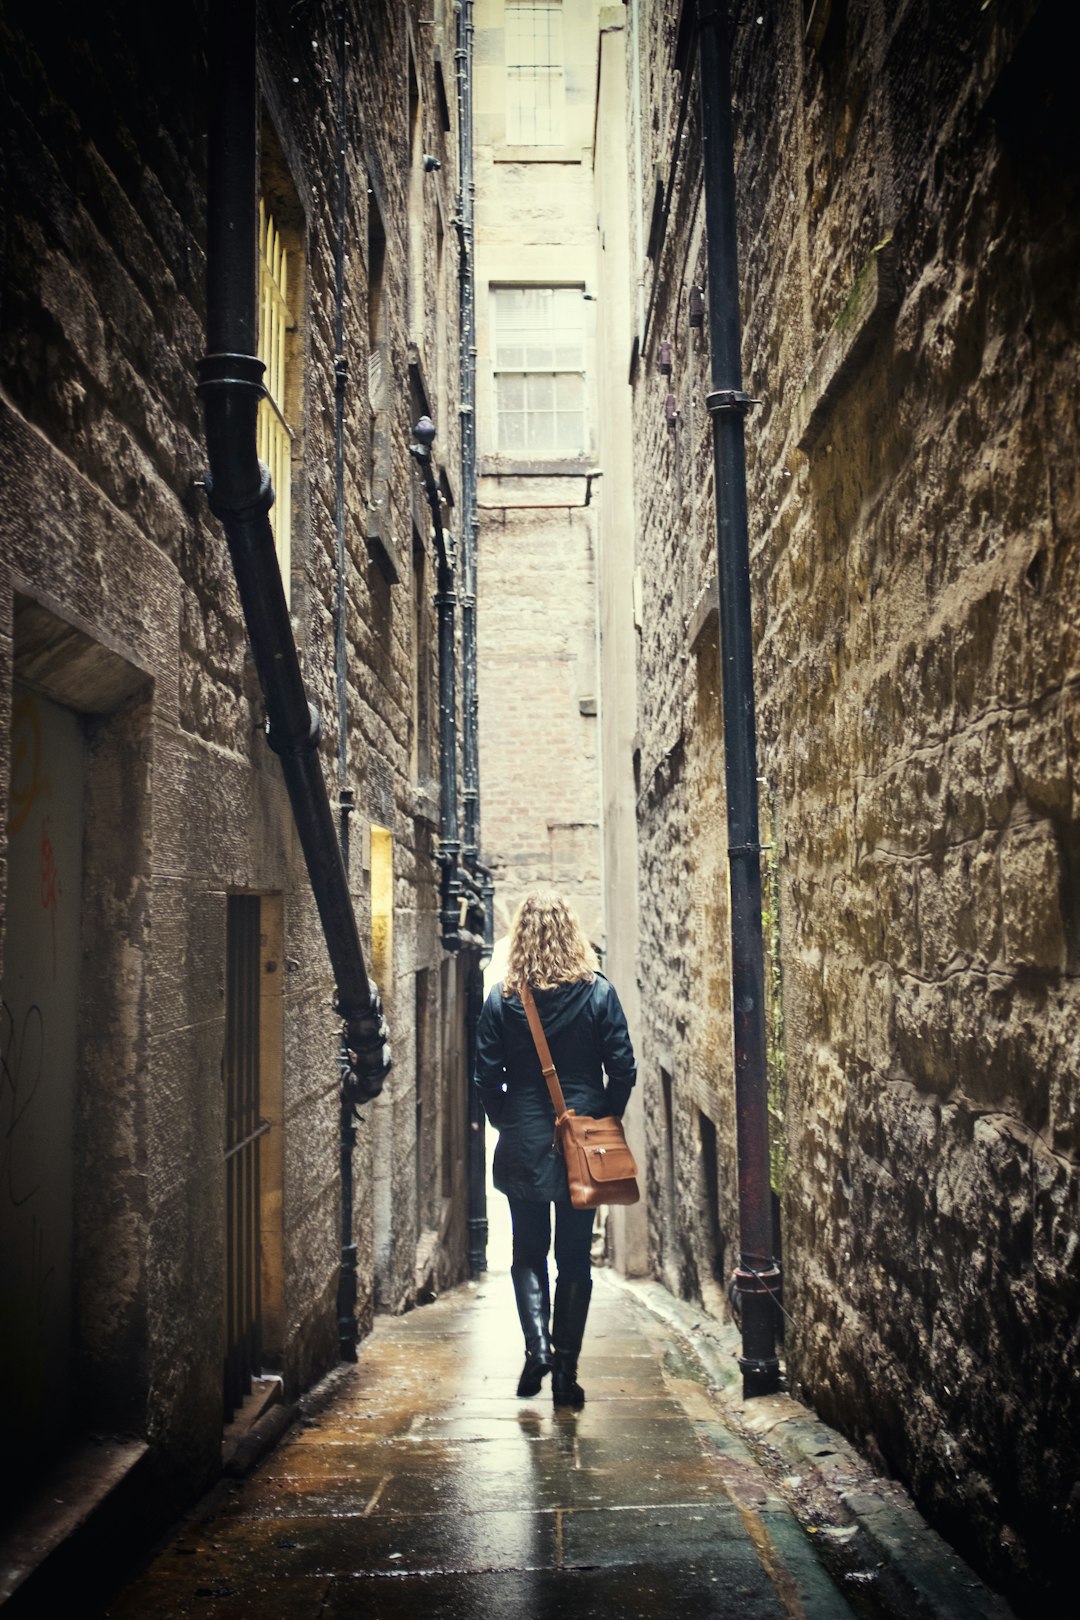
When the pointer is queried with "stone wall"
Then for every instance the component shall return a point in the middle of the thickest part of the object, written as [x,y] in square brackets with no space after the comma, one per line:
[117,601]
[907,239]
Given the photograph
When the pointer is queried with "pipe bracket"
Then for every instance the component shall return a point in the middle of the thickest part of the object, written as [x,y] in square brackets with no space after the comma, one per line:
[730,400]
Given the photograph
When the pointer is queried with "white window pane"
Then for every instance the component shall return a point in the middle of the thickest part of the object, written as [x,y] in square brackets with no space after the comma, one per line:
[539,439]
[541,394]
[510,357]
[570,433]
[511,431]
[570,392]
[510,393]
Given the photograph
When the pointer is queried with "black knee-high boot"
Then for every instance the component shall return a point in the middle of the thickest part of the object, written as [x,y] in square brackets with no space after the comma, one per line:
[567,1331]
[534,1309]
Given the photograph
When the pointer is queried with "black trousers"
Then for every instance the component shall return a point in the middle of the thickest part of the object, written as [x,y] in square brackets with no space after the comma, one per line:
[531,1221]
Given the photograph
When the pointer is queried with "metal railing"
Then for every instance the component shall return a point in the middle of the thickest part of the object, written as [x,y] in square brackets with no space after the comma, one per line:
[244,1131]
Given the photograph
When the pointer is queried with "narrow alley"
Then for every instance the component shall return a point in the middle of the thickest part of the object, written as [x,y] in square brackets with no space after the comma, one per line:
[613,461]
[426,1487]
[423,1486]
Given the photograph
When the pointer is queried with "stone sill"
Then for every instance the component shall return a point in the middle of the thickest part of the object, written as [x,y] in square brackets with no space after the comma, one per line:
[507,467]
[867,310]
[383,551]
[425,805]
[705,619]
[86,1476]
[537,154]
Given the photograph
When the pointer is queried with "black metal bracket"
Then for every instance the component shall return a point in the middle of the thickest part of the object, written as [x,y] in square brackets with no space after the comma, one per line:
[767,1371]
[733,400]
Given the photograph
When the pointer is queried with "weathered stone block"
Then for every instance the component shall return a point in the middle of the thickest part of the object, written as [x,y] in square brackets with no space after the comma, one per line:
[1031,897]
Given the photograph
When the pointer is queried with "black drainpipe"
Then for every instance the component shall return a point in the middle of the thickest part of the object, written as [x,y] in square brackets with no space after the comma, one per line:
[240,494]
[757,1279]
[445,602]
[477,1157]
[341,379]
[348,1113]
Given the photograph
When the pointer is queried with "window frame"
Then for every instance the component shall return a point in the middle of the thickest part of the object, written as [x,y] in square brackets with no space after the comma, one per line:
[527,449]
[548,121]
[280,278]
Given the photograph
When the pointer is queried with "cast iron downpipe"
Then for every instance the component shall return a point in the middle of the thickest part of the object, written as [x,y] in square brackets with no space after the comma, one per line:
[341,379]
[477,1157]
[445,602]
[348,1113]
[240,494]
[757,1278]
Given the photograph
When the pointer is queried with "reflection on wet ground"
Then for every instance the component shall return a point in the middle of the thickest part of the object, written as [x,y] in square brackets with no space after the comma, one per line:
[427,1488]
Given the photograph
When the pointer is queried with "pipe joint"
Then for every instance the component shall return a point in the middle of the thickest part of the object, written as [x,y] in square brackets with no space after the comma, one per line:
[296,744]
[747,1280]
[232,371]
[366,1049]
[238,484]
[761,1374]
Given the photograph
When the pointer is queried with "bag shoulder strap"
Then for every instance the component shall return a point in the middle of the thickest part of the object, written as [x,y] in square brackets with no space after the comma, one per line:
[543,1051]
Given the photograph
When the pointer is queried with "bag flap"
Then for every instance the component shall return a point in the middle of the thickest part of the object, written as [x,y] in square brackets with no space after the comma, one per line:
[611,1164]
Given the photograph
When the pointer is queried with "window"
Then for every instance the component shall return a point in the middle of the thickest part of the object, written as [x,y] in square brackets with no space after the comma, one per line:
[540,370]
[420,731]
[416,212]
[534,72]
[275,436]
[382,909]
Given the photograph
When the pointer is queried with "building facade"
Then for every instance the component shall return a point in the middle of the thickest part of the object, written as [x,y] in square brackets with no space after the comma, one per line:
[906,186]
[537,450]
[172,1117]
[556,543]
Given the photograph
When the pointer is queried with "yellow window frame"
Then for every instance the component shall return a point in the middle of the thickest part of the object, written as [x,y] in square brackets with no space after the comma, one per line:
[275,437]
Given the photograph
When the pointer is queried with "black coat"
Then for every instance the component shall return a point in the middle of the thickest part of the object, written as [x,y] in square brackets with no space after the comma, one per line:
[586,1031]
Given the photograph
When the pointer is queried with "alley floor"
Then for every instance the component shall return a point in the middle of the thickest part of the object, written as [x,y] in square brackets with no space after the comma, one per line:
[425,1487]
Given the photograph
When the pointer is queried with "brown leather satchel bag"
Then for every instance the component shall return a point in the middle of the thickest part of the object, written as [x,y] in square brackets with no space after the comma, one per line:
[600,1167]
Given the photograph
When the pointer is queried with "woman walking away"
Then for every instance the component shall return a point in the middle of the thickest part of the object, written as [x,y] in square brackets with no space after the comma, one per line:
[586,1031]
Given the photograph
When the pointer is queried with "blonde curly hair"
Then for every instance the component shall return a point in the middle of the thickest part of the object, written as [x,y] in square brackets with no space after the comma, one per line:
[547,946]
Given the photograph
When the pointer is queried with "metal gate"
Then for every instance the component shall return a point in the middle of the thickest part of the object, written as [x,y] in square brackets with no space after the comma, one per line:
[243,1133]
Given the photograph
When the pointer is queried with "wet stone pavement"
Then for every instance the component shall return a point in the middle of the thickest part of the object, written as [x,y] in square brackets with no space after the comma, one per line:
[426,1488]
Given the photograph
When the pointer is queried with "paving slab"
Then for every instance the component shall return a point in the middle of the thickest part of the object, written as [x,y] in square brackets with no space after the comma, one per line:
[422,1485]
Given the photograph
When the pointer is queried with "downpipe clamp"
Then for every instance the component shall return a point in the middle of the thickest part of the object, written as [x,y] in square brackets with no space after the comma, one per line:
[724,401]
